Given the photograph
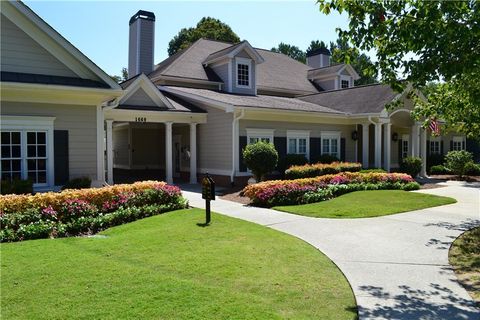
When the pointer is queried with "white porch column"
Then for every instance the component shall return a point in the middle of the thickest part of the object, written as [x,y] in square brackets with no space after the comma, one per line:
[424,133]
[100,149]
[168,153]
[109,152]
[193,153]
[415,140]
[378,145]
[387,146]
[365,146]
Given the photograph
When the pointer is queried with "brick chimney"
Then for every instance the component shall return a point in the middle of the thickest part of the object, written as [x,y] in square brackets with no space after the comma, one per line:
[141,43]
[318,58]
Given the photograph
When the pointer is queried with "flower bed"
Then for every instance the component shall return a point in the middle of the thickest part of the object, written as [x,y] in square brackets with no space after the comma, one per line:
[308,190]
[320,169]
[85,211]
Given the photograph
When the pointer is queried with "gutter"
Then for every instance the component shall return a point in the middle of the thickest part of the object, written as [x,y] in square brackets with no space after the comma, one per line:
[234,139]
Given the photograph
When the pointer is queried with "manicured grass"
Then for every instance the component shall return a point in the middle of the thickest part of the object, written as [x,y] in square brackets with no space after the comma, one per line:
[363,204]
[464,256]
[167,267]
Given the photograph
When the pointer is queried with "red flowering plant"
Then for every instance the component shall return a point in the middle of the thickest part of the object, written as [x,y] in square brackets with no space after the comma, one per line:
[76,208]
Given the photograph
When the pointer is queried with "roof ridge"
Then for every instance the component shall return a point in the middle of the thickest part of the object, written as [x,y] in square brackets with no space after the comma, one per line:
[343,89]
[332,65]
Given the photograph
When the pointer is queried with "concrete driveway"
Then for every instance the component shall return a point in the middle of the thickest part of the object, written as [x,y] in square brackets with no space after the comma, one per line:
[397,265]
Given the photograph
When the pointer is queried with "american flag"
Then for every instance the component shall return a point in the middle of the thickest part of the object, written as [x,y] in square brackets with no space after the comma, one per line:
[434,127]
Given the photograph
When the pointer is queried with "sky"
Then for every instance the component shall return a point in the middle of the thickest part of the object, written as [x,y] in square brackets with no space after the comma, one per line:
[100,28]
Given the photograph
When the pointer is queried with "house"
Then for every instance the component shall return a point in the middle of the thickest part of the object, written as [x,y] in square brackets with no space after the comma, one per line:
[190,114]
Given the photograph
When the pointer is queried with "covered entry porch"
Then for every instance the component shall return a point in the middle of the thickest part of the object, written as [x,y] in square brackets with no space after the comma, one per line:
[147,144]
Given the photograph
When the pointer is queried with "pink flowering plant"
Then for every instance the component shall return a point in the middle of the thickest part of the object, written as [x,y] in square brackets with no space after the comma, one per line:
[86,211]
[298,191]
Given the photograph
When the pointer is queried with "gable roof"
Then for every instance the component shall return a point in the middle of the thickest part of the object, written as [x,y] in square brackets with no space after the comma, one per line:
[231,51]
[335,69]
[142,84]
[356,100]
[259,101]
[28,21]
[278,71]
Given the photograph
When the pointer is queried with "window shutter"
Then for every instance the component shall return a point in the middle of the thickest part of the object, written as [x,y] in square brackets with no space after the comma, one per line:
[428,147]
[60,155]
[473,146]
[314,148]
[463,145]
[342,149]
[441,147]
[451,145]
[400,153]
[242,143]
[280,144]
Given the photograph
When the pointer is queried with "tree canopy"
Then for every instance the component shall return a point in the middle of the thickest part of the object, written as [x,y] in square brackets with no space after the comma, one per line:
[417,42]
[292,51]
[207,27]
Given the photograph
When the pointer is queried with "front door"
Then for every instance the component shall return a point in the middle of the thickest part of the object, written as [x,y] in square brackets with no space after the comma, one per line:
[177,155]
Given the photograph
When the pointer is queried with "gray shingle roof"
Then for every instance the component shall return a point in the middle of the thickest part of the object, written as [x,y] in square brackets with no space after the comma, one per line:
[260,101]
[356,100]
[326,70]
[223,52]
[278,71]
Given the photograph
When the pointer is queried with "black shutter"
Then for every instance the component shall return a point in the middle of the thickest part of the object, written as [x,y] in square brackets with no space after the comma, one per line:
[451,145]
[473,146]
[441,147]
[342,149]
[314,149]
[242,143]
[463,145]
[60,155]
[400,153]
[428,147]
[280,144]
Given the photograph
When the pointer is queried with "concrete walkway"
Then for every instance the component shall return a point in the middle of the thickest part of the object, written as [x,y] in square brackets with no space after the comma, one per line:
[397,265]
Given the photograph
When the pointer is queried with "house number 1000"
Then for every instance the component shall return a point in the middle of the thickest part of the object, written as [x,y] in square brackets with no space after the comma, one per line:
[140,119]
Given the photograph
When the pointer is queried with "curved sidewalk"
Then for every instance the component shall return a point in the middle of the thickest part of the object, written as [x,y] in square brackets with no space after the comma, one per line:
[397,265]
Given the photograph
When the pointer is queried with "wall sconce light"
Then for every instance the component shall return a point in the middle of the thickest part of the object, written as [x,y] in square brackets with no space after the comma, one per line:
[355,135]
[395,136]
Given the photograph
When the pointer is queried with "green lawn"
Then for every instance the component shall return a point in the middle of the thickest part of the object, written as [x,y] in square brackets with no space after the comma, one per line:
[167,267]
[464,256]
[363,204]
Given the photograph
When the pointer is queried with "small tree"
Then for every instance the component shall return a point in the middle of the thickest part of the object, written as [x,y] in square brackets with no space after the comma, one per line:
[261,158]
[457,161]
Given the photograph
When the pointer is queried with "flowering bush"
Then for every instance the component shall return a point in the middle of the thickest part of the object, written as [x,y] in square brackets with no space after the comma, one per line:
[74,212]
[320,169]
[289,192]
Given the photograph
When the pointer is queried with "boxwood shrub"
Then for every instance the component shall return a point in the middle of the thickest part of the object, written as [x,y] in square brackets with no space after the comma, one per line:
[320,169]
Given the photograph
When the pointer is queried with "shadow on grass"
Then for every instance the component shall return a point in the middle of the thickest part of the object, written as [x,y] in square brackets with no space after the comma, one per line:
[436,303]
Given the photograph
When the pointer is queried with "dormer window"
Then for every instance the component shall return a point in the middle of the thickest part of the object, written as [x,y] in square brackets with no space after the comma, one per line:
[345,81]
[345,84]
[243,67]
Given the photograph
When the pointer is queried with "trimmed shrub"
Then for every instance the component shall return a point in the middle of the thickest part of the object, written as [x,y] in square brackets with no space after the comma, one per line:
[439,170]
[261,158]
[411,166]
[16,186]
[78,183]
[86,211]
[377,170]
[320,169]
[472,169]
[457,161]
[324,158]
[289,192]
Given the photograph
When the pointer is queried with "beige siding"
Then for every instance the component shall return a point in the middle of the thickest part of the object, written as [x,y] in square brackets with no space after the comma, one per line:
[140,98]
[215,140]
[20,53]
[80,121]
[315,131]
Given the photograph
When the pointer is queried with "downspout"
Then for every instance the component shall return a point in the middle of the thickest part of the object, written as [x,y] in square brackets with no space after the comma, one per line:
[234,146]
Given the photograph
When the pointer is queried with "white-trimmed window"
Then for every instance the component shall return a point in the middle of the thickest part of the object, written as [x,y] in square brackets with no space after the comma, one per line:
[256,135]
[458,143]
[435,145]
[405,145]
[330,143]
[298,142]
[27,149]
[243,68]
[345,82]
